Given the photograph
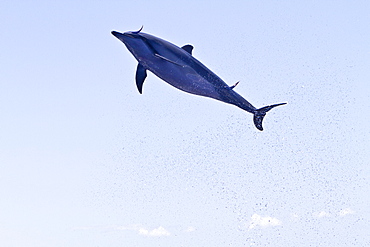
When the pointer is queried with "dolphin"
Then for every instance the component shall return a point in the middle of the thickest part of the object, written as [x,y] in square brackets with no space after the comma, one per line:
[179,68]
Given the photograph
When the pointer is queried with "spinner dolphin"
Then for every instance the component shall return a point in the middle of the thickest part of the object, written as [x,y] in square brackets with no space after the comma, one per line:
[180,69]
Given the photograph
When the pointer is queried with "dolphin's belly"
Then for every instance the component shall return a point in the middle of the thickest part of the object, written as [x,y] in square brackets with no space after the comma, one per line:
[186,79]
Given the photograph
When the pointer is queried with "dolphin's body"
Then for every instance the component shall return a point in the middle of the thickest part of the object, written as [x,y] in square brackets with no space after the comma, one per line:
[179,68]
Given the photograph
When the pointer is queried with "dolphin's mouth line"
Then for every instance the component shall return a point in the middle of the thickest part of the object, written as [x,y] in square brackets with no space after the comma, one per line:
[117,34]
[129,35]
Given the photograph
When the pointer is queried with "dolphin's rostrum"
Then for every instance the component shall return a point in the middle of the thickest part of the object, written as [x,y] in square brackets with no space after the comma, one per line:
[179,68]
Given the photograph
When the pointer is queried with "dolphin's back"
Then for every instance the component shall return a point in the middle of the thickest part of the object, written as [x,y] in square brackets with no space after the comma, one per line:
[181,69]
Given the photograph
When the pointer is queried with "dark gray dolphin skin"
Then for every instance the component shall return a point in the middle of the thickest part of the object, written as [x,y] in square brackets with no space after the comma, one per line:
[180,69]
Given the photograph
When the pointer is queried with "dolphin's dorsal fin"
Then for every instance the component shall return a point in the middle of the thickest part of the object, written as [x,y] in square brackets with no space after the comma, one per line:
[188,48]
[140,77]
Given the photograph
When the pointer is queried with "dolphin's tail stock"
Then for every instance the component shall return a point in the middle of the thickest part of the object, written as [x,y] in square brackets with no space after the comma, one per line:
[259,114]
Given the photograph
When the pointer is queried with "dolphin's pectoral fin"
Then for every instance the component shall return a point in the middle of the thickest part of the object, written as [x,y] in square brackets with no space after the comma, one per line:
[139,30]
[188,48]
[168,60]
[140,77]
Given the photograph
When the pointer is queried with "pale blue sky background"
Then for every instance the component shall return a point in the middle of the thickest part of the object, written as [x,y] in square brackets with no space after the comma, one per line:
[85,160]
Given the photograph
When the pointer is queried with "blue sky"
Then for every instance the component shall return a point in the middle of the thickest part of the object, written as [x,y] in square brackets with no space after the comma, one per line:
[87,161]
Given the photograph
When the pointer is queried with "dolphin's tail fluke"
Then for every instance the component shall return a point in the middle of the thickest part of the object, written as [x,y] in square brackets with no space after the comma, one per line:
[259,114]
